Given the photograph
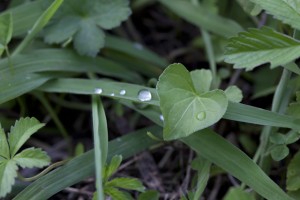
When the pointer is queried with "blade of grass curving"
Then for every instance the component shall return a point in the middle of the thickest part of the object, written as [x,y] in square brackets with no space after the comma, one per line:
[235,111]
[203,18]
[25,15]
[21,79]
[219,151]
[38,25]
[100,142]
[82,167]
[134,49]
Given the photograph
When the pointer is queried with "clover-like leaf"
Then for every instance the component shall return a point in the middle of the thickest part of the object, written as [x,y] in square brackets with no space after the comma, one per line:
[84,20]
[32,157]
[8,173]
[21,131]
[234,94]
[4,148]
[184,109]
[112,167]
[279,152]
[201,79]
[260,46]
[117,194]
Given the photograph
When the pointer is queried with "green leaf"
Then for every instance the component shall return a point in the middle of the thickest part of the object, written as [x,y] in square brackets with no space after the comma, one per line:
[277,138]
[203,17]
[260,46]
[8,173]
[292,136]
[84,20]
[4,148]
[126,183]
[294,107]
[237,193]
[185,110]
[288,11]
[149,195]
[112,167]
[89,39]
[21,131]
[293,173]
[249,7]
[202,80]
[117,194]
[234,94]
[6,28]
[32,157]
[279,152]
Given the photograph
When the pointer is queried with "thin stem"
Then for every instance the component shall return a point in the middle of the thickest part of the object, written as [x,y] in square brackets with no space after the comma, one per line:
[45,171]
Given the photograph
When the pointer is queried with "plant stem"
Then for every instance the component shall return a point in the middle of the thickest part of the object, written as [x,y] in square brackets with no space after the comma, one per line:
[265,135]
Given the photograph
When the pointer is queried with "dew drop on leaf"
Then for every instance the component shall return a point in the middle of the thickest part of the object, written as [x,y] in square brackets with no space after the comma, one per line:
[201,116]
[98,90]
[144,95]
[122,92]
[161,117]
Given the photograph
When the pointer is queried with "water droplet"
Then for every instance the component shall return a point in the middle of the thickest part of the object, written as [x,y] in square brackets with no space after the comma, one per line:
[161,117]
[112,94]
[122,92]
[98,91]
[138,46]
[201,116]
[144,95]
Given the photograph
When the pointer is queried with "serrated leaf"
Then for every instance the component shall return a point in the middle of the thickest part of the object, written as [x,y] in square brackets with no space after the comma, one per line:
[112,167]
[89,39]
[260,46]
[234,94]
[293,173]
[237,193]
[82,20]
[21,131]
[126,183]
[32,157]
[202,80]
[184,109]
[6,28]
[4,148]
[117,194]
[8,173]
[288,11]
[279,152]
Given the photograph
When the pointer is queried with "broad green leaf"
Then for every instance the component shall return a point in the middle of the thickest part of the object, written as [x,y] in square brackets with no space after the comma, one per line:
[149,195]
[260,46]
[203,18]
[184,109]
[112,167]
[4,148]
[21,131]
[277,138]
[234,94]
[32,157]
[293,173]
[292,136]
[237,193]
[6,28]
[89,39]
[117,194]
[84,20]
[288,11]
[8,173]
[279,152]
[126,183]
[202,80]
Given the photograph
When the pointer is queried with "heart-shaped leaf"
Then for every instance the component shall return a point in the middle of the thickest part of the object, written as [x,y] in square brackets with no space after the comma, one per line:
[185,110]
